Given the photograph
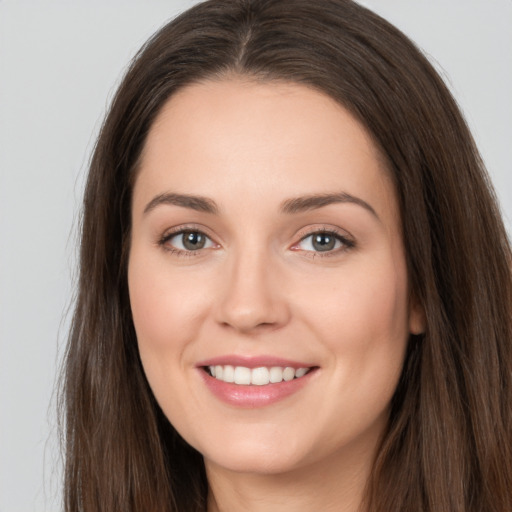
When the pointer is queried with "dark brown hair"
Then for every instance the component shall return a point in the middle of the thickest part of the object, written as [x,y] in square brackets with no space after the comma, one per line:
[448,446]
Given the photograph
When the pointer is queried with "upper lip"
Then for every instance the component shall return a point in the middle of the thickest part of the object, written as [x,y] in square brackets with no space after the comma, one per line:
[253,361]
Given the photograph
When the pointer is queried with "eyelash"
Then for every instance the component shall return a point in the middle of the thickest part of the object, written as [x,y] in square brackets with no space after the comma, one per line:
[347,243]
[169,235]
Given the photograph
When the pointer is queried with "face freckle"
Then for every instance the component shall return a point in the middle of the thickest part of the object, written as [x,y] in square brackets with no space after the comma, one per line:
[266,234]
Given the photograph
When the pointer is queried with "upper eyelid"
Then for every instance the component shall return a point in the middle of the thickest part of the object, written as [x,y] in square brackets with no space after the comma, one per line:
[326,231]
[183,228]
[341,233]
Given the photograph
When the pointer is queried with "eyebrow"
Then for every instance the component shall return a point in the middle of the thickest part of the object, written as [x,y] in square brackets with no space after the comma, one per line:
[289,206]
[315,201]
[198,203]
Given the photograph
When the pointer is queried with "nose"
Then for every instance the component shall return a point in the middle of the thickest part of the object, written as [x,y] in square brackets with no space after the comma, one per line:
[253,297]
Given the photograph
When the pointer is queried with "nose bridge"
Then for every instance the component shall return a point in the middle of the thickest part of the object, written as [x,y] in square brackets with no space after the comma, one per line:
[252,294]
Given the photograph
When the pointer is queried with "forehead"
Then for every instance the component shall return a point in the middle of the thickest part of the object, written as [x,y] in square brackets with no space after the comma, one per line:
[270,139]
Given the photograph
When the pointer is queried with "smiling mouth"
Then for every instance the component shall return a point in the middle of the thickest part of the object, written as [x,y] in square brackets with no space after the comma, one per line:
[261,376]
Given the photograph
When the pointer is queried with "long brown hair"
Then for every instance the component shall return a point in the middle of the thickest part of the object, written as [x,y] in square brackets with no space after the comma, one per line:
[448,446]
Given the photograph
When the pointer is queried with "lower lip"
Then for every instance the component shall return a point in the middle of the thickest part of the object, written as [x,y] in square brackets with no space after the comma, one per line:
[254,396]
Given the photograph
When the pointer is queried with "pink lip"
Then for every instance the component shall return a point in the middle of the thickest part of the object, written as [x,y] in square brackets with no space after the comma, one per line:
[253,362]
[251,396]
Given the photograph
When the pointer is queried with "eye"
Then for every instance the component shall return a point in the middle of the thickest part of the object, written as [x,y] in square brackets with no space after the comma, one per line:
[188,240]
[323,241]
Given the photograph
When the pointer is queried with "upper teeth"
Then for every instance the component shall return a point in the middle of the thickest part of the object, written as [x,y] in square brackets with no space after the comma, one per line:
[256,376]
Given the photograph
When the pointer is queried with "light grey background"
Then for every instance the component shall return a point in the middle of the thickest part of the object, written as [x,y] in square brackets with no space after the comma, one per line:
[59,64]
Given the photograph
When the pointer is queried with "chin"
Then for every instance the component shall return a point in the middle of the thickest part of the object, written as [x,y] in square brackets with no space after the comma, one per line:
[254,463]
[259,456]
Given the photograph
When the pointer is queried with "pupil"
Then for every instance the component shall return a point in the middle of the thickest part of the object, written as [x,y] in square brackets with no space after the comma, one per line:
[193,241]
[323,242]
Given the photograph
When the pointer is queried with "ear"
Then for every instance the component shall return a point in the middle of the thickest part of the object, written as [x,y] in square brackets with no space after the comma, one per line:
[417,318]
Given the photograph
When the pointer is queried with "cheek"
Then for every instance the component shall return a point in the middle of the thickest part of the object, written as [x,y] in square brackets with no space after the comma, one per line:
[365,330]
[363,322]
[162,313]
[168,311]
[369,301]
[166,321]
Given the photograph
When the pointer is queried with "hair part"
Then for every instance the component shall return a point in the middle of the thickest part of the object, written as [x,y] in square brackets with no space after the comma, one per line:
[448,446]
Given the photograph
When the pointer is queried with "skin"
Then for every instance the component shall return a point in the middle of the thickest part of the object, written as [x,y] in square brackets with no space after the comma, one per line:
[259,287]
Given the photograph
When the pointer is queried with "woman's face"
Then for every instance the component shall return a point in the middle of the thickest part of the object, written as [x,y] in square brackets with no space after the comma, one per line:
[266,244]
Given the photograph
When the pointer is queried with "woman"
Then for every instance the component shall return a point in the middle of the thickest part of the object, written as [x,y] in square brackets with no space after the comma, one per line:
[295,285]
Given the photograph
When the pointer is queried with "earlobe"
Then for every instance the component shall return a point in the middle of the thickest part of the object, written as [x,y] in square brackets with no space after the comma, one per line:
[417,317]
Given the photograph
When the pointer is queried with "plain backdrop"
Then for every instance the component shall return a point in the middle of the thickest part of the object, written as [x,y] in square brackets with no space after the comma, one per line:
[60,62]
